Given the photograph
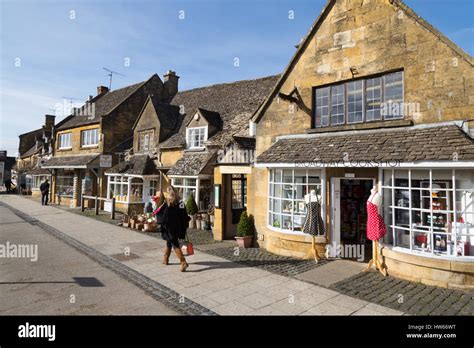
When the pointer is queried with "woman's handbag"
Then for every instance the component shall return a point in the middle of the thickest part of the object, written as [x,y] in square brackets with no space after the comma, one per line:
[187,247]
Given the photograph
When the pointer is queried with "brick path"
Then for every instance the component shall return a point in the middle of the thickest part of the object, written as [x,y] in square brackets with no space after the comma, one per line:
[405,296]
[211,283]
[256,257]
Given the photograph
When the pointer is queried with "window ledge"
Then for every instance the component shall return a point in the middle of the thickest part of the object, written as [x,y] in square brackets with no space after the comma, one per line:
[87,147]
[65,149]
[361,126]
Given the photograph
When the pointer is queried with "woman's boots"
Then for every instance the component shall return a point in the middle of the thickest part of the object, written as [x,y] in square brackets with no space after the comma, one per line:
[181,258]
[166,257]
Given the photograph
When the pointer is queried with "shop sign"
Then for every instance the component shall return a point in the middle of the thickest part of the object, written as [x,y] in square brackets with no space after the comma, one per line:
[105,161]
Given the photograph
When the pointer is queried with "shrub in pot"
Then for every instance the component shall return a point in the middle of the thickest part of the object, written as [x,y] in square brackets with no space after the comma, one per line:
[192,210]
[245,231]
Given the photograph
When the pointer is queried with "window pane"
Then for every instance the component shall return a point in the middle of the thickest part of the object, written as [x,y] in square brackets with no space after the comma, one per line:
[337,104]
[393,96]
[354,101]
[373,99]
[322,107]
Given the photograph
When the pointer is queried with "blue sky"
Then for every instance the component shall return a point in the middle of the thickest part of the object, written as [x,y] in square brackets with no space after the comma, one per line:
[48,52]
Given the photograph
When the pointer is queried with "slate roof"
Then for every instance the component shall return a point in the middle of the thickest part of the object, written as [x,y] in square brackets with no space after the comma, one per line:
[136,165]
[235,102]
[193,163]
[31,151]
[38,171]
[212,117]
[64,161]
[245,142]
[169,115]
[409,144]
[104,104]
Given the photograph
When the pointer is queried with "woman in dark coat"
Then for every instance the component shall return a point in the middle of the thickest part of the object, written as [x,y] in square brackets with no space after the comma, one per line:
[174,220]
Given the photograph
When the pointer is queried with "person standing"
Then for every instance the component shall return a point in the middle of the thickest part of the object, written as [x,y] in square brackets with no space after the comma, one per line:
[174,219]
[44,188]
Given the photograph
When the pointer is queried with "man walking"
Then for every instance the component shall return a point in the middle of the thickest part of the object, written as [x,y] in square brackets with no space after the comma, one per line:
[44,188]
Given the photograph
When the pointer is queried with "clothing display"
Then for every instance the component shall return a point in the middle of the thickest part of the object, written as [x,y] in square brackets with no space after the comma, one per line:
[375,224]
[314,224]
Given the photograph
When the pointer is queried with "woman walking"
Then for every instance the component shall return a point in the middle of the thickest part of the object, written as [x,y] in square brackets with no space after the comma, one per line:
[174,220]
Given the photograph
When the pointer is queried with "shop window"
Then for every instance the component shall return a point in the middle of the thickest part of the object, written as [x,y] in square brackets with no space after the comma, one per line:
[136,190]
[64,141]
[65,183]
[153,188]
[186,187]
[90,137]
[288,187]
[364,100]
[38,180]
[430,211]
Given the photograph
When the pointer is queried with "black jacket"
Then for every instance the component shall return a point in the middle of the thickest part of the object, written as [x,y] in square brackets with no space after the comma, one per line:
[174,220]
[44,187]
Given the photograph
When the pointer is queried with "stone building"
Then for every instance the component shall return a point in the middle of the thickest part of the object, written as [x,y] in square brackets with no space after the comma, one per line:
[373,97]
[100,130]
[34,148]
[181,141]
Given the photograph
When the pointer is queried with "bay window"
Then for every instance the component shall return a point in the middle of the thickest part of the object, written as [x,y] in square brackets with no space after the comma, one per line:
[362,100]
[186,187]
[430,211]
[287,189]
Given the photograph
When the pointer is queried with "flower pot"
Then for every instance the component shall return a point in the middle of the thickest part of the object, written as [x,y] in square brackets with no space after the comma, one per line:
[211,219]
[192,222]
[244,242]
[198,224]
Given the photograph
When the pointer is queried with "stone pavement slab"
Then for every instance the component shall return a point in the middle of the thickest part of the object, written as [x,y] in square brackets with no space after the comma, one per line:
[332,272]
[216,283]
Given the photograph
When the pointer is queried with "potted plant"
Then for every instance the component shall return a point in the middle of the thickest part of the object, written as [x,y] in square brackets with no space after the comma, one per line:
[245,231]
[192,210]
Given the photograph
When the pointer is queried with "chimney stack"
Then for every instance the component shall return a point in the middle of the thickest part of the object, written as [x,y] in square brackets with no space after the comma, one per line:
[171,84]
[49,121]
[102,89]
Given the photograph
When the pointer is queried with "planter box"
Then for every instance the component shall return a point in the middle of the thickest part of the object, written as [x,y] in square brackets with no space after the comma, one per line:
[139,226]
[244,242]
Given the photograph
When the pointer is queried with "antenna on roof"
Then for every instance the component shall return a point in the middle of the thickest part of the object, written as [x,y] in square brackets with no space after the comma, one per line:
[110,73]
[70,100]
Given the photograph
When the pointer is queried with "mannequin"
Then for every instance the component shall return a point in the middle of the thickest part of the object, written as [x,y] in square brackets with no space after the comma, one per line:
[375,228]
[313,224]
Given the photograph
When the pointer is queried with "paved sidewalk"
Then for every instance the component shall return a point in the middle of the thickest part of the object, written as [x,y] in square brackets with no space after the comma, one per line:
[222,286]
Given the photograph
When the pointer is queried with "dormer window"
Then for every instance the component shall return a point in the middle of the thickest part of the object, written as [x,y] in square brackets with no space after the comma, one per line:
[195,137]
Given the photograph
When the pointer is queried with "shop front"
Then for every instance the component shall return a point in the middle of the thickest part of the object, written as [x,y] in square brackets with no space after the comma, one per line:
[34,179]
[132,183]
[193,175]
[428,199]
[73,177]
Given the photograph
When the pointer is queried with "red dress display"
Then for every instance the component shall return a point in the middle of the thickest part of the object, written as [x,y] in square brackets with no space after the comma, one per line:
[375,224]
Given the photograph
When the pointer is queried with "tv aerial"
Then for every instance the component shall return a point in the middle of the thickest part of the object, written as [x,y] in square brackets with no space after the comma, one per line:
[110,74]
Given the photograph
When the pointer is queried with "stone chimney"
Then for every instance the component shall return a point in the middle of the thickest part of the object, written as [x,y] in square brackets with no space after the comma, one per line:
[102,89]
[49,121]
[171,84]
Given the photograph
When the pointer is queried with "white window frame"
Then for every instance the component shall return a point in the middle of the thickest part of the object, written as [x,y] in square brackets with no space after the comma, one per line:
[321,173]
[90,137]
[64,141]
[189,137]
[185,185]
[451,233]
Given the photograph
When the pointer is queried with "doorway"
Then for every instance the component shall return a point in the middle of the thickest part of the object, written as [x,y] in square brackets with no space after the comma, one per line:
[349,220]
[235,202]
